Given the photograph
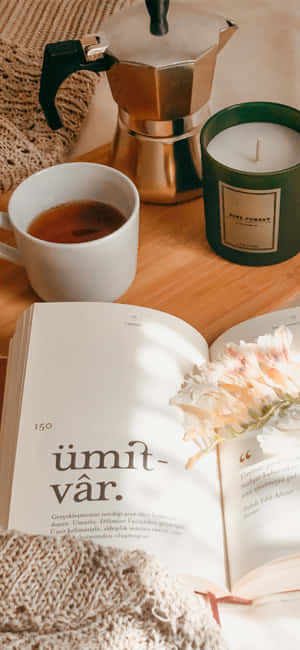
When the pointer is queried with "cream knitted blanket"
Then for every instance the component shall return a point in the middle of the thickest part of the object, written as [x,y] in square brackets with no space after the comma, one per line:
[27,144]
[70,594]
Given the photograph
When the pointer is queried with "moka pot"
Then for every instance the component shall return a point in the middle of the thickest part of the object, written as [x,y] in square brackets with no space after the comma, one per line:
[160,73]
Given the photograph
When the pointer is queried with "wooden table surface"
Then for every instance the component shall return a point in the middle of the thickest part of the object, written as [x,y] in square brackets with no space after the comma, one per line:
[177,272]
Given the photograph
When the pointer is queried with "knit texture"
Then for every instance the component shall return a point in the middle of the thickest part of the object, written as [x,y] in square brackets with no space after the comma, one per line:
[64,593]
[27,144]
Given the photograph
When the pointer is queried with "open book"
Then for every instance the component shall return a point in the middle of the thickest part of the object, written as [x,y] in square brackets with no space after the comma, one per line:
[91,446]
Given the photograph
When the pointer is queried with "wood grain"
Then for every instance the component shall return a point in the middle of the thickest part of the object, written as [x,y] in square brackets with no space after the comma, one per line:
[177,272]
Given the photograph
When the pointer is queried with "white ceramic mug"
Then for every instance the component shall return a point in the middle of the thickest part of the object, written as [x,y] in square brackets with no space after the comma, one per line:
[101,269]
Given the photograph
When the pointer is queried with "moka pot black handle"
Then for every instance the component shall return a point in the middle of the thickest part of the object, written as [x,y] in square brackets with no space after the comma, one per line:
[60,60]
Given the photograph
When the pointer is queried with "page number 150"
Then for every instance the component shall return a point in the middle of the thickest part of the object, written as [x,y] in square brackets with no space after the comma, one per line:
[43,426]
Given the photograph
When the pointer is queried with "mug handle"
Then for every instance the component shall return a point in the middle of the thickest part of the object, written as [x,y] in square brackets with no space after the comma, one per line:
[8,252]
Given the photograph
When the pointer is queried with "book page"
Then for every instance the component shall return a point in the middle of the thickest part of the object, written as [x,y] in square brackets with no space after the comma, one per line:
[100,451]
[260,493]
[18,349]
[261,501]
[250,329]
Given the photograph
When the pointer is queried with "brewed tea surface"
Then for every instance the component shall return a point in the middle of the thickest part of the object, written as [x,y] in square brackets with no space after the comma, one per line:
[76,222]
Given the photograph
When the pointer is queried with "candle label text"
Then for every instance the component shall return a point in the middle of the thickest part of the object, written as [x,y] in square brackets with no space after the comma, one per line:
[249,218]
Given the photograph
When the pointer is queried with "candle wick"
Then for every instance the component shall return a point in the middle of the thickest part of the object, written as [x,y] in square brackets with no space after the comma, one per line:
[258,149]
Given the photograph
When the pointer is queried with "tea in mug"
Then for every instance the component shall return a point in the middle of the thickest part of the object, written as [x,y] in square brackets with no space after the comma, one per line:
[76,222]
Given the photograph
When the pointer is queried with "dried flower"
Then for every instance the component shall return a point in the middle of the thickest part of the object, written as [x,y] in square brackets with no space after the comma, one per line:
[242,390]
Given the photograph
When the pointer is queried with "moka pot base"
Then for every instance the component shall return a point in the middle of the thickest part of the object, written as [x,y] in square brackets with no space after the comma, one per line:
[163,158]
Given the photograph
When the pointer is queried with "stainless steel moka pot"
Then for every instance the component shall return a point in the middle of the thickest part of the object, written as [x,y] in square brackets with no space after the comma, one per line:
[160,72]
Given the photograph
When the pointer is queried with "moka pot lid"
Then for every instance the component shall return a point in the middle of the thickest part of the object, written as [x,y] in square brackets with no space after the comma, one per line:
[191,34]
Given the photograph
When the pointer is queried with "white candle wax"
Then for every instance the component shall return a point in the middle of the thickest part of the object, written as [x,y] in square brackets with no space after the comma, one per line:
[236,147]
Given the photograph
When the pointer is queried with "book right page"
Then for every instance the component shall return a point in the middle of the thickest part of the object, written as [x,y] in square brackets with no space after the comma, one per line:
[254,327]
[261,502]
[260,493]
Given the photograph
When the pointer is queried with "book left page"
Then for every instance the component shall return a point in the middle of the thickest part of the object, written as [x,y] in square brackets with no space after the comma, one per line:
[100,451]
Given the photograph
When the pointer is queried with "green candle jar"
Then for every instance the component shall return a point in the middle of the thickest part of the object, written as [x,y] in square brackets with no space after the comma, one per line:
[251,182]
